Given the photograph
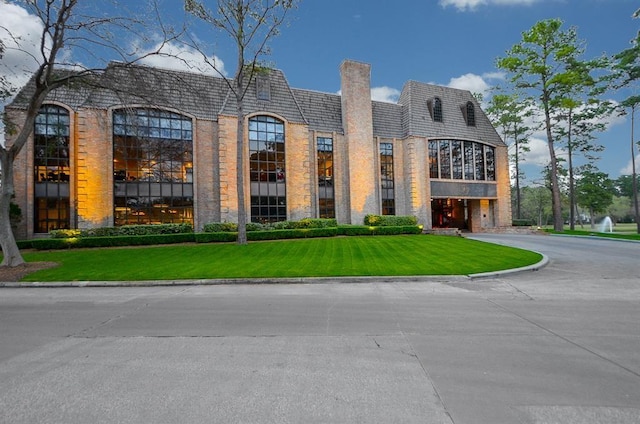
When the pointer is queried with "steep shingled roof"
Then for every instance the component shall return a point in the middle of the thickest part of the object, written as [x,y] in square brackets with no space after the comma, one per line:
[417,119]
[281,99]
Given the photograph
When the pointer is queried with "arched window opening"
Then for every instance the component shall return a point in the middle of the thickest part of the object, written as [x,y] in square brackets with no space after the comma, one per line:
[152,167]
[471,114]
[267,169]
[326,196]
[437,109]
[387,179]
[51,169]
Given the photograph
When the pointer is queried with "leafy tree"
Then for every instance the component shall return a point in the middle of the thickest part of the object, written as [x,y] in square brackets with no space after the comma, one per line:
[624,185]
[594,191]
[539,65]
[250,24]
[67,26]
[508,113]
[536,204]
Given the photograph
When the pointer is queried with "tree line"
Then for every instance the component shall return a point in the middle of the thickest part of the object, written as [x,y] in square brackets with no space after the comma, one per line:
[552,88]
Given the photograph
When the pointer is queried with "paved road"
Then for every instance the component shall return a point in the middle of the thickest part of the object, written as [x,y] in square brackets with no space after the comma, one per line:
[559,345]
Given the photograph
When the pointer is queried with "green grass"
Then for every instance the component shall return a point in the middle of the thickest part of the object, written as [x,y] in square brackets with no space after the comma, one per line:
[321,257]
[614,235]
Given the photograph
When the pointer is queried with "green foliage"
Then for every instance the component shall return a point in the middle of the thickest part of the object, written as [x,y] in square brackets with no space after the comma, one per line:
[369,230]
[389,220]
[215,227]
[521,222]
[125,230]
[218,227]
[595,191]
[111,241]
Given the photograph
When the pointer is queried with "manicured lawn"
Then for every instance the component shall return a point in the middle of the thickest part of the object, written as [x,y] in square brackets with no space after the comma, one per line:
[320,257]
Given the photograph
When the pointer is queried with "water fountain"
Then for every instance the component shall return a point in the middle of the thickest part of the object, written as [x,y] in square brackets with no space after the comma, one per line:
[606,223]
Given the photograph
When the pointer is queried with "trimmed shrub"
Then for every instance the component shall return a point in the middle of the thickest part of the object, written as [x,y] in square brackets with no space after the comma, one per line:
[521,222]
[219,227]
[125,230]
[364,230]
[113,241]
[389,220]
[225,236]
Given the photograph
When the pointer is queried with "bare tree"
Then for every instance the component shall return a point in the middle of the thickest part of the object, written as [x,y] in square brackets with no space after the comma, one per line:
[250,24]
[68,26]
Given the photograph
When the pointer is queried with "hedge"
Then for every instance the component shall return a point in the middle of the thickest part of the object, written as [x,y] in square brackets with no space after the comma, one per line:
[521,222]
[144,240]
[216,227]
[367,230]
[389,220]
[267,235]
[125,230]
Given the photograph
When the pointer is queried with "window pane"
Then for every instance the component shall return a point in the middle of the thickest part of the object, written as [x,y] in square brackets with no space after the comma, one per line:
[152,167]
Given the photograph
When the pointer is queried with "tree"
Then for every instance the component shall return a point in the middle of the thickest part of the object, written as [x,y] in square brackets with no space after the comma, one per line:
[250,24]
[508,112]
[594,191]
[66,27]
[538,65]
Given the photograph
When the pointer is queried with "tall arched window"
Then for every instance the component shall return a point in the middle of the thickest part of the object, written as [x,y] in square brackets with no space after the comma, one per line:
[387,179]
[152,167]
[471,115]
[51,169]
[267,169]
[326,196]
[437,109]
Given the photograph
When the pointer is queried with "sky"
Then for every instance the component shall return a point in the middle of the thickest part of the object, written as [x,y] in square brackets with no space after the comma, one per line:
[447,42]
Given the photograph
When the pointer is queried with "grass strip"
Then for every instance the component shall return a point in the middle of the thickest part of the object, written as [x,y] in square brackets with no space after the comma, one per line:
[321,257]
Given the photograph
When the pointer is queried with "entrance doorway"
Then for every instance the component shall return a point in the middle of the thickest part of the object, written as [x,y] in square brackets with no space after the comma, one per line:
[450,213]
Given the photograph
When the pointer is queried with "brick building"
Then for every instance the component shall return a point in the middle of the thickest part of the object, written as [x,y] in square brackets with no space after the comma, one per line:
[146,145]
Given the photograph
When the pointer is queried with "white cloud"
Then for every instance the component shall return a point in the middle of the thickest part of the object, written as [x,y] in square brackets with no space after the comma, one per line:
[385,94]
[21,34]
[628,169]
[471,5]
[183,58]
[472,82]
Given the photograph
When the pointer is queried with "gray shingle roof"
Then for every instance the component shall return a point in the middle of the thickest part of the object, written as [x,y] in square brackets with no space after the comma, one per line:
[417,119]
[322,110]
[281,102]
[206,96]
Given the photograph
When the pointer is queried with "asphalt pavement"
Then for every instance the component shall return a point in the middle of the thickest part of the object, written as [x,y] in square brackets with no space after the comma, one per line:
[558,344]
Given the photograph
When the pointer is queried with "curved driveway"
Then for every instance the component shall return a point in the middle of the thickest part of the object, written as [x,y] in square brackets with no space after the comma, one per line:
[578,266]
[558,345]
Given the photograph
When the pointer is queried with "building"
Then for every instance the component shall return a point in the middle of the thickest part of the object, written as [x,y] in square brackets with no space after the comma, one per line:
[146,145]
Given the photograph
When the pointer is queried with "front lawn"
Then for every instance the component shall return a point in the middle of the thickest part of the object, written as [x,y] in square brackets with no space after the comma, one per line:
[321,257]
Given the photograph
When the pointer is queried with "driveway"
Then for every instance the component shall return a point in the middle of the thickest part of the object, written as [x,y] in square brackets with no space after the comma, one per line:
[558,345]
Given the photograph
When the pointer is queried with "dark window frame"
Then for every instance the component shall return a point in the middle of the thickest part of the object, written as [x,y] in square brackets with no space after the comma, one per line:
[267,173]
[387,183]
[152,167]
[51,167]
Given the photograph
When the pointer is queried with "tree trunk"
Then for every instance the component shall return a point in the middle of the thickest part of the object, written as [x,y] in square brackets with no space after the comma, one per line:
[558,224]
[242,213]
[10,251]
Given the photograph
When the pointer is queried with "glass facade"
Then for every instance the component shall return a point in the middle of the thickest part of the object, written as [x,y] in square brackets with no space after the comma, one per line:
[387,180]
[51,169]
[461,160]
[326,197]
[267,169]
[152,167]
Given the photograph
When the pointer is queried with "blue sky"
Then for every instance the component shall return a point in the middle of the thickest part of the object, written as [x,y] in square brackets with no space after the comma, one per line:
[446,42]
